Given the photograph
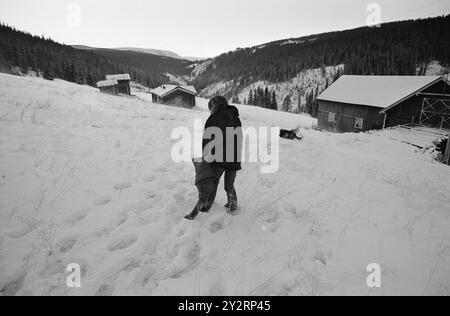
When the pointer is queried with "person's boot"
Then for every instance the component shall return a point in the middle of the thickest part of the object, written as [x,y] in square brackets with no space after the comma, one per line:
[206,208]
[232,204]
[192,215]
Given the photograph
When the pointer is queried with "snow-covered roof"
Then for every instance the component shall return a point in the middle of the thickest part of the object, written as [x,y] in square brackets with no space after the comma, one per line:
[167,89]
[119,77]
[378,91]
[107,83]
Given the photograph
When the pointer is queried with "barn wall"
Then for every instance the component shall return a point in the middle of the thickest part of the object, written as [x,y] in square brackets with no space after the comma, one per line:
[124,87]
[180,98]
[346,115]
[408,112]
[109,89]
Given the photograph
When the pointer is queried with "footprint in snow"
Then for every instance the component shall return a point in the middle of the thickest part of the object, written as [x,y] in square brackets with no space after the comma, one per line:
[122,243]
[13,287]
[140,207]
[267,182]
[149,218]
[78,216]
[122,186]
[102,200]
[52,267]
[105,290]
[191,259]
[67,244]
[111,226]
[217,226]
[182,232]
[150,178]
[21,232]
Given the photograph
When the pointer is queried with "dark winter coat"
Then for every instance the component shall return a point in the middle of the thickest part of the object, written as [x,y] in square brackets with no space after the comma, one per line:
[204,173]
[224,116]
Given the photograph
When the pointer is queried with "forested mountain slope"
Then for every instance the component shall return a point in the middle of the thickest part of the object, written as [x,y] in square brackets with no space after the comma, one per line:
[21,52]
[400,48]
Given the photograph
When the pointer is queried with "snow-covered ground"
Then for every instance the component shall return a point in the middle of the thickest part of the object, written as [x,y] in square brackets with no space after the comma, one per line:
[87,178]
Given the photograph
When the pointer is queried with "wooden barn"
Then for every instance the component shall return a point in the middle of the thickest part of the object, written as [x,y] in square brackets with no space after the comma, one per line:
[363,103]
[183,96]
[123,83]
[108,86]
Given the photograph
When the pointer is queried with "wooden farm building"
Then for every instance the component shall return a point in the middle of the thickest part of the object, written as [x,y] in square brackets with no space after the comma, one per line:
[123,83]
[108,86]
[183,96]
[363,103]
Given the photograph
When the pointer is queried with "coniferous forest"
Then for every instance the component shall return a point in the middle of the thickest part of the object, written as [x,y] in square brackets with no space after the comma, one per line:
[53,60]
[392,49]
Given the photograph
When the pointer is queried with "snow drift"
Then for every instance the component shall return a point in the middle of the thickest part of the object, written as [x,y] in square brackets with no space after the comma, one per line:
[87,178]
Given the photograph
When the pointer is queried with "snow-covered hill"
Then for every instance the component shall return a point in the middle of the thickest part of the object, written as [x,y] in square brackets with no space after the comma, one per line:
[297,88]
[87,178]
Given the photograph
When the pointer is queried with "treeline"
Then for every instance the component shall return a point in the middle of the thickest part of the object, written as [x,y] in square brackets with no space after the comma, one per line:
[311,105]
[22,51]
[268,99]
[392,49]
[262,98]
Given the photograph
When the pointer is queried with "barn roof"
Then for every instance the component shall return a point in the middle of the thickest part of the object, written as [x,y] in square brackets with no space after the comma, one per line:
[377,91]
[118,77]
[167,89]
[107,83]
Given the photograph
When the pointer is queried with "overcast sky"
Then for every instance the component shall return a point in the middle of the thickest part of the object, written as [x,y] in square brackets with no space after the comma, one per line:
[200,28]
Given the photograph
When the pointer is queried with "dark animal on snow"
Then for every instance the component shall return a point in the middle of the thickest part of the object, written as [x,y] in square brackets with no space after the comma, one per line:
[291,135]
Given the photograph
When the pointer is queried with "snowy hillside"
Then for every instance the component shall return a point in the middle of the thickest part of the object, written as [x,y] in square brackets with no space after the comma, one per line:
[433,68]
[297,88]
[87,178]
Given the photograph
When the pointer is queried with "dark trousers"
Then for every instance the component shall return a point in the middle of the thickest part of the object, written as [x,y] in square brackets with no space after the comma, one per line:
[230,177]
[208,191]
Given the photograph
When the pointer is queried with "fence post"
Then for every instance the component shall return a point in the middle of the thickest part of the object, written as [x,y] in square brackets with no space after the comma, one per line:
[447,152]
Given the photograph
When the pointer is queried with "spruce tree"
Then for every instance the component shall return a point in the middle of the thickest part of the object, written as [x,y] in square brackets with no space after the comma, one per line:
[274,104]
[250,98]
[287,104]
[267,99]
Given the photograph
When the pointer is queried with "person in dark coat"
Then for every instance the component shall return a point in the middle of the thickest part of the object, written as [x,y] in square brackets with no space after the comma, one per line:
[224,119]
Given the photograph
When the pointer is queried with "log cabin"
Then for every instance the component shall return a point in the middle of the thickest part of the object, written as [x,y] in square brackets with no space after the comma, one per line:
[183,96]
[363,103]
[108,86]
[123,83]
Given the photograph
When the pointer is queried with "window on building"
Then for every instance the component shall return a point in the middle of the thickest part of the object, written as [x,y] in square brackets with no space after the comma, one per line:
[332,117]
[359,123]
